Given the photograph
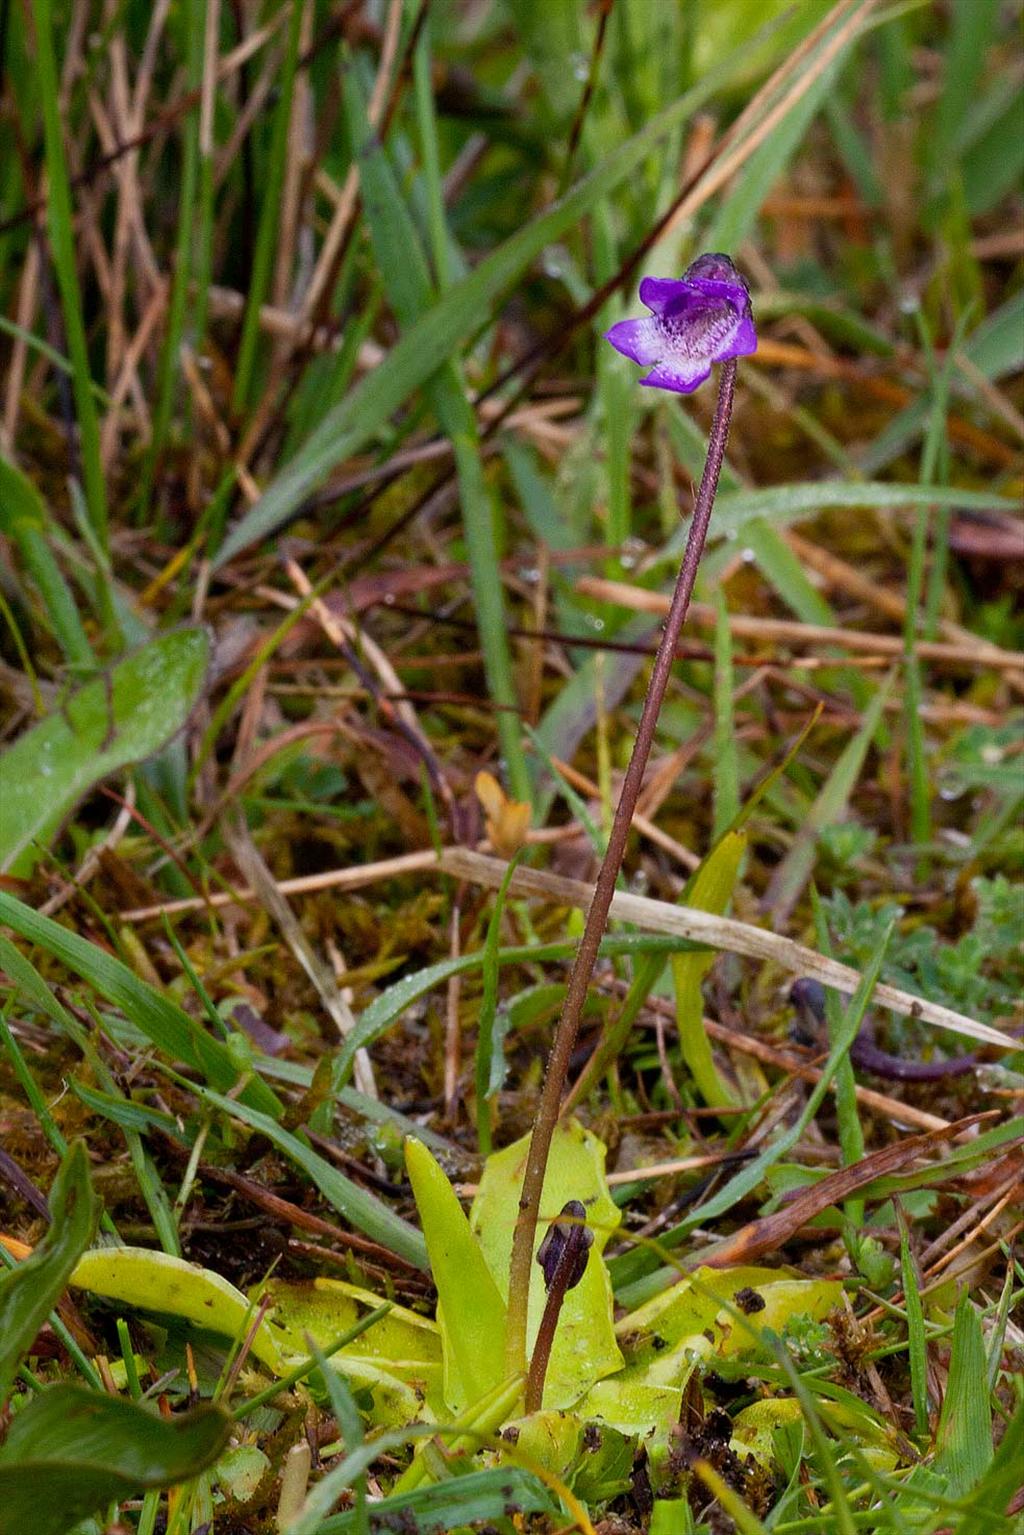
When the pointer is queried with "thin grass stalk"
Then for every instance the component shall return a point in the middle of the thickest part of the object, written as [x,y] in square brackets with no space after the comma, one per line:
[203,245]
[597,915]
[266,237]
[917,766]
[168,367]
[426,123]
[60,221]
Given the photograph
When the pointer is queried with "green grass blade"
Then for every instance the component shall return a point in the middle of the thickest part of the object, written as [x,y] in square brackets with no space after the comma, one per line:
[782,504]
[917,1348]
[727,773]
[842,1515]
[388,1008]
[346,1415]
[964,1435]
[710,889]
[737,212]
[195,26]
[407,280]
[434,338]
[793,872]
[168,1026]
[632,1265]
[270,202]
[455,1504]
[24,519]
[486,1031]
[996,1488]
[366,1212]
[851,1132]
[60,221]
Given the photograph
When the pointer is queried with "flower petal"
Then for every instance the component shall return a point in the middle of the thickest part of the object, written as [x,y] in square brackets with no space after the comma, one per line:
[661,293]
[669,376]
[638,339]
[698,319]
[745,340]
[698,333]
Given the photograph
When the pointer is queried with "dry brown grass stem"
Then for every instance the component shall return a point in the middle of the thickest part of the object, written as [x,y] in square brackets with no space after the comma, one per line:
[724,933]
[773,103]
[790,631]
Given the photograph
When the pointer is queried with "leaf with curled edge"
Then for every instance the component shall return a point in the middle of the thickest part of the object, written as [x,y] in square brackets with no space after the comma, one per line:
[403,1348]
[123,716]
[156,1281]
[470,1308]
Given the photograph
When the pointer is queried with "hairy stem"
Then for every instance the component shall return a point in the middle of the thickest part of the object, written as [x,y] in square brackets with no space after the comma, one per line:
[597,916]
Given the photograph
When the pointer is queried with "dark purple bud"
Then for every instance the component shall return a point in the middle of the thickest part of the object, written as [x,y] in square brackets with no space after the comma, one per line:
[567,1243]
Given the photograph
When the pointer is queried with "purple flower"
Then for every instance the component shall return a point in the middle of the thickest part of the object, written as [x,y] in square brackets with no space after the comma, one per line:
[695,320]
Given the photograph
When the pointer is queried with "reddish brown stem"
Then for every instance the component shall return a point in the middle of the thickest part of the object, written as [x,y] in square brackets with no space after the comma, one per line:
[597,916]
[565,1275]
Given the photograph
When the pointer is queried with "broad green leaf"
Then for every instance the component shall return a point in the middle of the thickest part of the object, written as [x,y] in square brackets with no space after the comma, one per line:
[710,890]
[349,426]
[325,1308]
[593,1456]
[71,1451]
[470,1309]
[240,1472]
[754,1429]
[394,1403]
[398,1357]
[699,1318]
[156,1281]
[169,1027]
[124,716]
[632,1404]
[696,1319]
[29,1292]
[585,1348]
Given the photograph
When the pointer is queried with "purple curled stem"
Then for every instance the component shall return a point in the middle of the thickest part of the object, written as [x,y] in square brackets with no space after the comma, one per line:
[597,916]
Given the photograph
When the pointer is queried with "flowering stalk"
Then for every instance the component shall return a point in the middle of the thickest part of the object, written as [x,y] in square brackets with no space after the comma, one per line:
[563,1257]
[701,318]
